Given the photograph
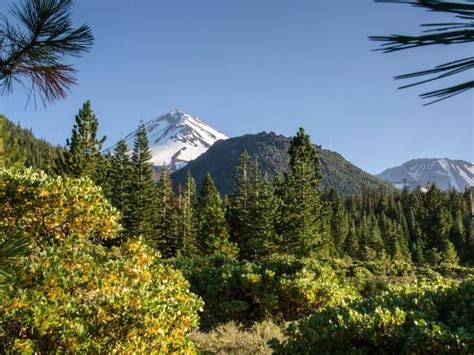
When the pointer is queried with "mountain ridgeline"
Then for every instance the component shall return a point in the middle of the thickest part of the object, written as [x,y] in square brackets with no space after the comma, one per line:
[271,151]
[445,173]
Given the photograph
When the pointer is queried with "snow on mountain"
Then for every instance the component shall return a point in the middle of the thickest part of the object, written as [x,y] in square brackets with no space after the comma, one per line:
[176,138]
[444,172]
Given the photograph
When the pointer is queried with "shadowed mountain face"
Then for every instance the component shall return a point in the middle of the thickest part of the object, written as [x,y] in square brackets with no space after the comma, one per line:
[271,151]
[444,172]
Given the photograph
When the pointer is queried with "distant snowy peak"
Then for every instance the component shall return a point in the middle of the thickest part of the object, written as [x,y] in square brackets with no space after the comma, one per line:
[177,138]
[444,172]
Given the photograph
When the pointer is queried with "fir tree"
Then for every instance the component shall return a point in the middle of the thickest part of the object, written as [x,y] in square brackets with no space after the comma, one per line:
[239,208]
[83,156]
[166,219]
[301,217]
[212,234]
[187,221]
[118,186]
[142,189]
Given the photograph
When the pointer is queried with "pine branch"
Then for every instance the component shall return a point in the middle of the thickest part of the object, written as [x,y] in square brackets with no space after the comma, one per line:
[437,34]
[33,50]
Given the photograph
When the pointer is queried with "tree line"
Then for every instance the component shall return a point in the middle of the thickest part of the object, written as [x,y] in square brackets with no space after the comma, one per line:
[262,217]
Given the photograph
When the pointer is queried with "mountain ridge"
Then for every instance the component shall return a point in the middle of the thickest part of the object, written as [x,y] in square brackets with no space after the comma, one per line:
[444,172]
[271,151]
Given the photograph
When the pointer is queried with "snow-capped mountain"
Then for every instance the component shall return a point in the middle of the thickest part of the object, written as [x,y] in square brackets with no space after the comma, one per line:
[444,172]
[176,138]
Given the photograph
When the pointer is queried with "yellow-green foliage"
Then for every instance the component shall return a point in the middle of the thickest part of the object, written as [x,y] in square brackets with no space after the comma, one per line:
[432,317]
[55,207]
[73,295]
[281,289]
[78,297]
[231,338]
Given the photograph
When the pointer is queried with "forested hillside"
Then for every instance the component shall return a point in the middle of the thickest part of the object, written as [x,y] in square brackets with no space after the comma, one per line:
[24,147]
[271,151]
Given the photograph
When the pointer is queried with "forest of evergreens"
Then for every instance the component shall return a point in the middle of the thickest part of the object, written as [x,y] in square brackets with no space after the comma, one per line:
[112,261]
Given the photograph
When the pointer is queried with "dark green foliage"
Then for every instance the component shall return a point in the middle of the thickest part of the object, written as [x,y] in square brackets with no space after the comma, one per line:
[166,230]
[118,185]
[83,155]
[143,201]
[25,149]
[212,231]
[188,223]
[301,217]
[429,317]
[271,152]
[252,211]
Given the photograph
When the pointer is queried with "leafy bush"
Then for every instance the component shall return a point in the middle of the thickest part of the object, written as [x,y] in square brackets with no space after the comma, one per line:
[284,288]
[77,297]
[231,338]
[73,295]
[429,317]
[55,207]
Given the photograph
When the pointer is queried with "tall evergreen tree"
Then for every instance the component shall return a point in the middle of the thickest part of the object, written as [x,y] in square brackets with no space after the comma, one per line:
[142,189]
[213,235]
[83,156]
[339,223]
[301,217]
[118,185]
[187,221]
[239,209]
[166,233]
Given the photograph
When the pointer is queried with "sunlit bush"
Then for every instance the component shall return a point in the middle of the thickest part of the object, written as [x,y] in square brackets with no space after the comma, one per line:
[281,289]
[73,295]
[427,317]
[55,207]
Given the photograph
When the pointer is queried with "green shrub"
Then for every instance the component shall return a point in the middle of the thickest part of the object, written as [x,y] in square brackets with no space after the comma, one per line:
[428,317]
[73,295]
[55,207]
[281,289]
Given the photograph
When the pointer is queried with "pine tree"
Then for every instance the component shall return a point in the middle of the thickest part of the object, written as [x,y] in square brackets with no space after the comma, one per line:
[301,217]
[339,223]
[187,220]
[142,191]
[239,216]
[118,183]
[262,208]
[212,234]
[166,233]
[83,157]
[438,220]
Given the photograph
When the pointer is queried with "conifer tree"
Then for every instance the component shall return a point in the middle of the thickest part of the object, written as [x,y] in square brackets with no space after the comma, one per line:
[143,196]
[118,186]
[187,220]
[166,233]
[301,217]
[239,208]
[437,222]
[212,234]
[83,156]
[262,208]
[339,223]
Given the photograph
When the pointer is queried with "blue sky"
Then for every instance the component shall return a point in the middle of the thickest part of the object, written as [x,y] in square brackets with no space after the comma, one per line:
[245,66]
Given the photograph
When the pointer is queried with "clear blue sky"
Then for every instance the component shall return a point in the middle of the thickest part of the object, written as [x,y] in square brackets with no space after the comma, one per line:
[245,66]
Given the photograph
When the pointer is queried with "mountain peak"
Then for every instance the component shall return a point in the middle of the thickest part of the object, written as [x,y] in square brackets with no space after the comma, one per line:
[177,137]
[444,172]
